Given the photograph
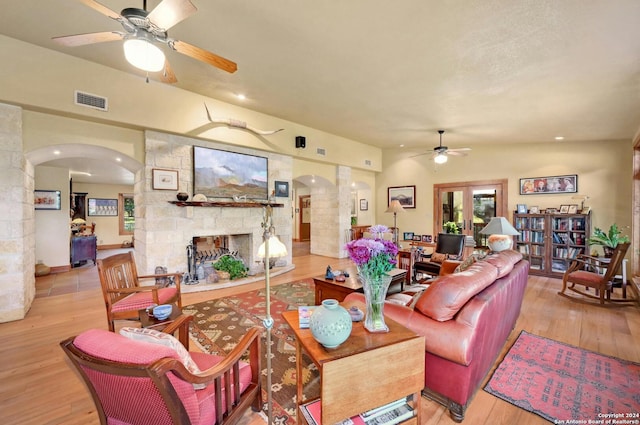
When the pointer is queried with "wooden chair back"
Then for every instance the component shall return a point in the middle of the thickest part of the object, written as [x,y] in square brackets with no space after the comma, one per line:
[117,272]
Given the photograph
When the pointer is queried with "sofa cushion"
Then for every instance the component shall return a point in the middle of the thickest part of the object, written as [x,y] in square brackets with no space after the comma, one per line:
[504,261]
[468,262]
[447,294]
[436,257]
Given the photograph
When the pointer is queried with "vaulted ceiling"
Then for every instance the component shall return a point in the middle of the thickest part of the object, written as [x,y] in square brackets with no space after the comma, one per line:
[393,73]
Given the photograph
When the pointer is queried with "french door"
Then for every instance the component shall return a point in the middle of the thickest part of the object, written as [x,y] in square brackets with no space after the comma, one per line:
[470,205]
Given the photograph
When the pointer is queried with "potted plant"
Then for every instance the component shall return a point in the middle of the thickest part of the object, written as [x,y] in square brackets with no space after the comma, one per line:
[451,227]
[608,240]
[233,266]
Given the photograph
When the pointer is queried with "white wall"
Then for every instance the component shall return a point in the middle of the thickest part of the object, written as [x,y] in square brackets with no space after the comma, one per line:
[53,226]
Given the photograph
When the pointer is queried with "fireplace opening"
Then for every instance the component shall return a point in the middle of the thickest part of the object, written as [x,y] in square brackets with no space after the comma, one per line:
[203,251]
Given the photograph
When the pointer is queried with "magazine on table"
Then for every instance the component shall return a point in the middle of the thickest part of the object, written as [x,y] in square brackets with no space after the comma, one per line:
[304,315]
[388,414]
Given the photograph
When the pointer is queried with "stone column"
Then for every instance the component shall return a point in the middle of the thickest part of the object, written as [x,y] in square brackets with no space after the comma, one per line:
[17,239]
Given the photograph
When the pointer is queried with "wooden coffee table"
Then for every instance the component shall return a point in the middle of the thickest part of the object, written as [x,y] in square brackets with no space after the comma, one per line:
[366,371]
[331,288]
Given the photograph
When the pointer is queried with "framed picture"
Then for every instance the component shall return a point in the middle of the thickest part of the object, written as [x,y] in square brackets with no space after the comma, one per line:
[564,209]
[406,195]
[417,238]
[164,179]
[46,199]
[427,238]
[282,189]
[573,209]
[522,208]
[551,210]
[102,207]
[534,210]
[224,174]
[408,236]
[364,205]
[546,185]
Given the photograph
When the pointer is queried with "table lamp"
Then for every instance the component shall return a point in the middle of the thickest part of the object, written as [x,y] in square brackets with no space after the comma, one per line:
[271,247]
[500,233]
[395,207]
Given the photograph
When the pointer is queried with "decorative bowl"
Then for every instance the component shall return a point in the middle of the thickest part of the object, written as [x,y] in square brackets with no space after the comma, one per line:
[163,311]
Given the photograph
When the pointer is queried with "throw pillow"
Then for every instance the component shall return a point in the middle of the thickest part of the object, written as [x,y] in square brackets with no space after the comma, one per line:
[167,340]
[436,257]
[466,263]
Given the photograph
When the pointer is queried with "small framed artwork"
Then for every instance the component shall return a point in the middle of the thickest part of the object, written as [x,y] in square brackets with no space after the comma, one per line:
[551,210]
[408,236]
[46,199]
[417,238]
[406,195]
[282,189]
[364,205]
[573,209]
[427,238]
[564,209]
[164,179]
[522,208]
[534,210]
[102,207]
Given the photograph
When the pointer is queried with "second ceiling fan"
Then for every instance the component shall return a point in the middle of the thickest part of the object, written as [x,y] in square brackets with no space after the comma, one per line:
[144,31]
[440,153]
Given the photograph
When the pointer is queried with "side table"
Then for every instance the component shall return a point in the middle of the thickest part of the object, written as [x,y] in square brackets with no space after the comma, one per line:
[148,321]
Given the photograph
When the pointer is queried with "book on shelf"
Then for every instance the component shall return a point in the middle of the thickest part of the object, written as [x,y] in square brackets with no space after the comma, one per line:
[304,315]
[388,414]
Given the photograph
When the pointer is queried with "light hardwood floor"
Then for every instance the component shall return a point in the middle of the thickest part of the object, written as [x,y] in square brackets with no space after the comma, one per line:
[38,387]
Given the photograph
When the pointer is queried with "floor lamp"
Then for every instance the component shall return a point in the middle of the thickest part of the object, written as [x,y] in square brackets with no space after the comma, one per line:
[395,207]
[271,247]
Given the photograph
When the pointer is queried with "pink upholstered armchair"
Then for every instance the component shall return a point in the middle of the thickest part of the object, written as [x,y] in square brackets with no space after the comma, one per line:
[136,382]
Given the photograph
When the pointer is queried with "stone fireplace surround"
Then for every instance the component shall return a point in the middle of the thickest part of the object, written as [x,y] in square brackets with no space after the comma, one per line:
[163,230]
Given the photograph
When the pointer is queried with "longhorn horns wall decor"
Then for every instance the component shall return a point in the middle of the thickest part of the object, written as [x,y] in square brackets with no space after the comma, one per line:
[239,124]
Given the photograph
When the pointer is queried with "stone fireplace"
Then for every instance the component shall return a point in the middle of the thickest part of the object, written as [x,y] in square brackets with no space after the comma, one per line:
[208,249]
[164,230]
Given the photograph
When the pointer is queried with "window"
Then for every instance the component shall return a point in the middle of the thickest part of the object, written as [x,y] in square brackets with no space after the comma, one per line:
[126,215]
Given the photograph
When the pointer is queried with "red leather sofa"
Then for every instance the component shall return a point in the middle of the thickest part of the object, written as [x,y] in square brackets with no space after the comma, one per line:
[466,318]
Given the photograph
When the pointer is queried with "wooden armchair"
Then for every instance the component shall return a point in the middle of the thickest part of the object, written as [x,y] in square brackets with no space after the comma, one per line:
[137,382]
[585,271]
[122,292]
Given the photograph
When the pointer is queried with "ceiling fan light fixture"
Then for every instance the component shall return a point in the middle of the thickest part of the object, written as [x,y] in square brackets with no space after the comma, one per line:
[144,55]
[440,158]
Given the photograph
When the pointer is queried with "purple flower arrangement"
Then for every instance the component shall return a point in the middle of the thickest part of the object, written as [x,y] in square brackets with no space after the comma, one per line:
[373,257]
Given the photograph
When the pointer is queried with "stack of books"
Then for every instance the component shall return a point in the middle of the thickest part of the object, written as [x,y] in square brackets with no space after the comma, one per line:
[388,414]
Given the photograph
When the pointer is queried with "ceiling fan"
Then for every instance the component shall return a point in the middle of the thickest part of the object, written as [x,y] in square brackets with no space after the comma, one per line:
[440,153]
[144,31]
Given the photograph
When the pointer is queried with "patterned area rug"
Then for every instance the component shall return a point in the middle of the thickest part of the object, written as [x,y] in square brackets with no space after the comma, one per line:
[222,322]
[566,384]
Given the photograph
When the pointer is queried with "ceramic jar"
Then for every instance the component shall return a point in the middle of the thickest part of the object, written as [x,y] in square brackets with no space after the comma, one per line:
[330,324]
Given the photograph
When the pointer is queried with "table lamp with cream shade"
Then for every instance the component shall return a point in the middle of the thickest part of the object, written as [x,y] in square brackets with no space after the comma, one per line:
[395,207]
[500,233]
[271,247]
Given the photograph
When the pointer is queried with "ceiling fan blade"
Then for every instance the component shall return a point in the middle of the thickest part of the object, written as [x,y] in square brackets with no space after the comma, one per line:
[455,153]
[102,9]
[89,38]
[170,12]
[460,150]
[420,154]
[203,55]
[167,75]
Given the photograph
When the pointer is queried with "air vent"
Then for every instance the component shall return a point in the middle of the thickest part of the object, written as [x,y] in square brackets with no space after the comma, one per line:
[321,151]
[91,101]
[367,162]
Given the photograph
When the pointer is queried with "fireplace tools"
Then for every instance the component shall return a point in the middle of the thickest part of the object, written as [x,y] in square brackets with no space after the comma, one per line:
[196,259]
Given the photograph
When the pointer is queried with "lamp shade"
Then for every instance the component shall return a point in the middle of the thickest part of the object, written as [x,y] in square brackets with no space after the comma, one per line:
[144,55]
[441,158]
[500,231]
[395,207]
[276,248]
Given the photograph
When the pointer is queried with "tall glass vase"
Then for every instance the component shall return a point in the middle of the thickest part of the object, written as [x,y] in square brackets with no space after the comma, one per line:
[375,292]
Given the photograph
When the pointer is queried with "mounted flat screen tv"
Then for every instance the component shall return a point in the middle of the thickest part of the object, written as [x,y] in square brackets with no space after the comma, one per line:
[224,174]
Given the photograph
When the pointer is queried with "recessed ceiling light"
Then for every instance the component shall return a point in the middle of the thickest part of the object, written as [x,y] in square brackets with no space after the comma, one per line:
[402,146]
[56,152]
[559,137]
[241,96]
[118,159]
